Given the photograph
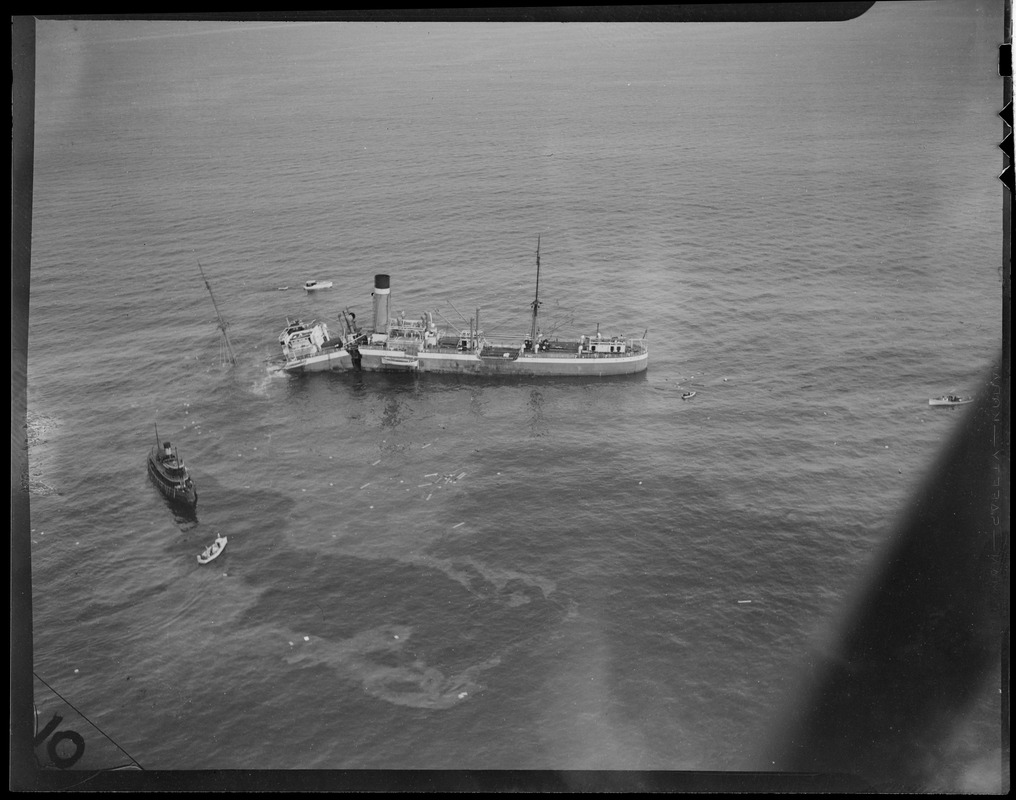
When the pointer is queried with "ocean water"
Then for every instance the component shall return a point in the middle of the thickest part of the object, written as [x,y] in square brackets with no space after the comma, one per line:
[442,573]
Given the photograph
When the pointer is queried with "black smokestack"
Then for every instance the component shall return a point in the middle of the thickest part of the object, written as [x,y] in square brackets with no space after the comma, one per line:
[381,295]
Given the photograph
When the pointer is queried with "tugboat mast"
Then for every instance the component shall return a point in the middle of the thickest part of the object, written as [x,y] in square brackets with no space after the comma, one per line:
[536,301]
[222,322]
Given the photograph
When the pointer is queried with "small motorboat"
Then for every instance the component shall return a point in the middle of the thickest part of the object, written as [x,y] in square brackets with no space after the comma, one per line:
[313,286]
[212,551]
[950,400]
[688,395]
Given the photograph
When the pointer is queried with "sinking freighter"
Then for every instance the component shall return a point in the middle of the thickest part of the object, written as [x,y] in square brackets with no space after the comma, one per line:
[398,344]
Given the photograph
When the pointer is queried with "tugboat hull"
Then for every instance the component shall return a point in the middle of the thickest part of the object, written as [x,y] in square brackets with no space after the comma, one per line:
[170,476]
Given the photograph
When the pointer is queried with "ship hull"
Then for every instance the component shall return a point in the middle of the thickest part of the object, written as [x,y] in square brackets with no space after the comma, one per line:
[402,344]
[165,485]
[332,361]
[529,364]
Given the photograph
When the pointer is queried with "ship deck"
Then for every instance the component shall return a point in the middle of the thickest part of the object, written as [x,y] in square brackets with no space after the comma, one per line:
[569,350]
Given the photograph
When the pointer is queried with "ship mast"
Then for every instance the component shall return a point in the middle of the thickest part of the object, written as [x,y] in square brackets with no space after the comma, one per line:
[222,322]
[536,301]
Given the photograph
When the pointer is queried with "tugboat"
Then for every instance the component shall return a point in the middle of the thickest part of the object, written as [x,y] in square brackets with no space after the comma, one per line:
[401,344]
[169,474]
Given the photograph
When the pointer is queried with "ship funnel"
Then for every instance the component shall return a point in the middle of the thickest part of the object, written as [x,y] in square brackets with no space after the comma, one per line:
[382,291]
[167,448]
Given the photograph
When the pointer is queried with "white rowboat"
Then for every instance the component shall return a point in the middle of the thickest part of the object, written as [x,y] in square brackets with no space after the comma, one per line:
[212,551]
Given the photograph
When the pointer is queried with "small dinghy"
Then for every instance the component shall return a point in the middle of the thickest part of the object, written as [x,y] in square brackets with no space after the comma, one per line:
[313,286]
[688,395]
[950,400]
[212,551]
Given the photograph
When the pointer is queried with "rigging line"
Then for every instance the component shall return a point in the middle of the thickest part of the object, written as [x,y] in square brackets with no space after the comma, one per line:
[448,322]
[502,322]
[449,302]
[86,719]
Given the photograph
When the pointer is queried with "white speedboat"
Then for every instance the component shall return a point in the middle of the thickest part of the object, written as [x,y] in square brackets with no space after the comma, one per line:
[313,286]
[950,400]
[213,550]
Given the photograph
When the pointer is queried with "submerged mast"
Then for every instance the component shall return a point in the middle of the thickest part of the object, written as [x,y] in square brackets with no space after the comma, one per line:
[536,301]
[222,322]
